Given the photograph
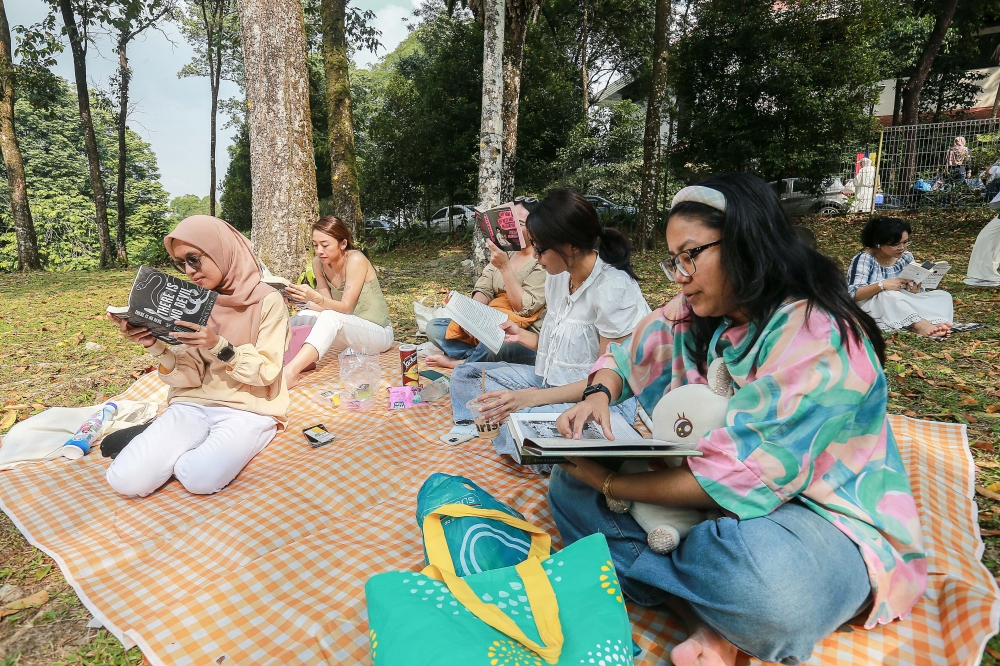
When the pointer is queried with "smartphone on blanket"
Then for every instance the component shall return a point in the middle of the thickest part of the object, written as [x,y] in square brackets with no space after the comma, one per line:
[317,435]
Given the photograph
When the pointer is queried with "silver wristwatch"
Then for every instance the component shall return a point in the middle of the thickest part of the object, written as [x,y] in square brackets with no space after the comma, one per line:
[881,285]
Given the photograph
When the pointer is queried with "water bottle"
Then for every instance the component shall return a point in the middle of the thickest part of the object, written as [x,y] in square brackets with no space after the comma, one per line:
[79,444]
[438,388]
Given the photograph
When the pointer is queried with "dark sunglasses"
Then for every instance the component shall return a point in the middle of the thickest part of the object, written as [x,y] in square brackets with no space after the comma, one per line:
[193,260]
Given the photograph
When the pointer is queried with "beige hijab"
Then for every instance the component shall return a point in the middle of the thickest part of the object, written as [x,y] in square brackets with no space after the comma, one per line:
[236,315]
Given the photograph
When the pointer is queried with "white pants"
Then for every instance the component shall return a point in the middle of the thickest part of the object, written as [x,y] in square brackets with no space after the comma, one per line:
[339,331]
[986,257]
[894,310]
[204,447]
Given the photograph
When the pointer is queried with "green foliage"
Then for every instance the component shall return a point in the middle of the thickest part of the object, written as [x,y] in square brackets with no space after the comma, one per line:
[775,89]
[59,187]
[604,154]
[226,37]
[237,189]
[186,206]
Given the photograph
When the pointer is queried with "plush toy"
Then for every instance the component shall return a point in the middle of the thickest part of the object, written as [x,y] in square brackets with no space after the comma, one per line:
[683,415]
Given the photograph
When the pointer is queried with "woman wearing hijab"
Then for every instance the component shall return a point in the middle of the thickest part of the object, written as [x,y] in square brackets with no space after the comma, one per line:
[956,157]
[227,396]
[864,184]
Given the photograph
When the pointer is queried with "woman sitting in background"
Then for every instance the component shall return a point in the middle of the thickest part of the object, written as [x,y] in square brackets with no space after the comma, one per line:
[895,303]
[512,281]
[347,308]
[593,299]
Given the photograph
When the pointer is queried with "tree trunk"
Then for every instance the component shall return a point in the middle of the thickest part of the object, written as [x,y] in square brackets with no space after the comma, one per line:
[491,127]
[651,136]
[515,30]
[282,169]
[216,33]
[911,92]
[24,228]
[996,102]
[340,126]
[583,62]
[898,96]
[79,49]
[123,77]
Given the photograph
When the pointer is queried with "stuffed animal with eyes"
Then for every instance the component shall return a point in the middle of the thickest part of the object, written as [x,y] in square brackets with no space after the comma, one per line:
[683,416]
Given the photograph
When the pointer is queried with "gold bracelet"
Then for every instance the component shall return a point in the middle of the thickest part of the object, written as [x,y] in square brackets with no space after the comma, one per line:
[614,504]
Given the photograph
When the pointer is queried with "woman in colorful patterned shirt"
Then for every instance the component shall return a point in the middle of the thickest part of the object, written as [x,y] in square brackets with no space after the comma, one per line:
[821,526]
[895,303]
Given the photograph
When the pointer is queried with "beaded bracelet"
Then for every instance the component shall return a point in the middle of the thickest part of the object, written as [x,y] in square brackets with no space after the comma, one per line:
[614,504]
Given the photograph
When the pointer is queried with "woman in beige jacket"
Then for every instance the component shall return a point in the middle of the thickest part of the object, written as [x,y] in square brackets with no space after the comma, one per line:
[227,396]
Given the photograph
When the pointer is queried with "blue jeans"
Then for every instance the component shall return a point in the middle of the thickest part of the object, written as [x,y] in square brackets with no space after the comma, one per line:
[466,384]
[463,351]
[772,586]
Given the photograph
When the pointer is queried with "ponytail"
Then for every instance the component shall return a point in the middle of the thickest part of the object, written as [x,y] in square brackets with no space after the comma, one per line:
[615,250]
[565,217]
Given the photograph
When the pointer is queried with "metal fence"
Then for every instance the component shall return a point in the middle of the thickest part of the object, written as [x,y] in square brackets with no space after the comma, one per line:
[917,166]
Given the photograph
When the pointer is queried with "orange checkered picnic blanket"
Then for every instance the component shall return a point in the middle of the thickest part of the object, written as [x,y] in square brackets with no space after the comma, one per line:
[272,569]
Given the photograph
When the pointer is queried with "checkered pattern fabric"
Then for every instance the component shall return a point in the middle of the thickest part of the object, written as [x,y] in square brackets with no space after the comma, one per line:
[272,569]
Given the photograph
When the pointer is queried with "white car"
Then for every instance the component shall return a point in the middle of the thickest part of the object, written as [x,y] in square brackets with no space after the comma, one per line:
[462,215]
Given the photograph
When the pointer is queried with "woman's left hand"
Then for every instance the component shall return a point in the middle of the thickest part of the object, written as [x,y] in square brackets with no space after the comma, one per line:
[498,257]
[498,405]
[913,287]
[587,471]
[200,336]
[304,292]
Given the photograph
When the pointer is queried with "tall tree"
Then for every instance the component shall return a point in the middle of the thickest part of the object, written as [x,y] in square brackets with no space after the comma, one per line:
[78,41]
[345,194]
[519,14]
[27,241]
[491,125]
[915,84]
[651,136]
[282,167]
[129,19]
[212,27]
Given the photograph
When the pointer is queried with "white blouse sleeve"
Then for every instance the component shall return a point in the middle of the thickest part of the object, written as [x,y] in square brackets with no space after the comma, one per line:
[620,307]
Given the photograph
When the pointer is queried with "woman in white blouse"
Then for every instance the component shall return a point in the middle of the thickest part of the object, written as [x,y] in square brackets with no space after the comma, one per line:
[593,299]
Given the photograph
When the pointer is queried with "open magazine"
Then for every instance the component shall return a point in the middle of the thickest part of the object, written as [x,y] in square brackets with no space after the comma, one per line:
[479,320]
[928,274]
[158,299]
[538,440]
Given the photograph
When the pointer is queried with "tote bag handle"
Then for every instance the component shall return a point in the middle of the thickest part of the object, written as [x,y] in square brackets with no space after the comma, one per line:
[537,586]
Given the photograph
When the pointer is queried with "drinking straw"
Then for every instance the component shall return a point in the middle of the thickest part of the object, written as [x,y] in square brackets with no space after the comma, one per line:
[482,380]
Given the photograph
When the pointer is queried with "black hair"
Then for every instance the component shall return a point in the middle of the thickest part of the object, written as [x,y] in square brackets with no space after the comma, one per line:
[565,217]
[882,230]
[766,262]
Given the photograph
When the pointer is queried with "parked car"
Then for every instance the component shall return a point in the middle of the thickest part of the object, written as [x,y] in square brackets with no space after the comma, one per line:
[800,196]
[609,210]
[462,215]
[373,227]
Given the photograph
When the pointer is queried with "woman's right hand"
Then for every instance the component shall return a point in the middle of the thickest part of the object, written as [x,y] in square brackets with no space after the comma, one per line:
[512,332]
[595,408]
[896,284]
[139,335]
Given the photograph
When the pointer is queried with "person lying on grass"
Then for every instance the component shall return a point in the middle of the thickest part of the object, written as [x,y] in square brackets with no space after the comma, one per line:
[227,395]
[347,308]
[821,526]
[513,282]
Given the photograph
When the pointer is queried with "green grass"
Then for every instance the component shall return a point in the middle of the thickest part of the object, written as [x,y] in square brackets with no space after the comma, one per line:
[46,320]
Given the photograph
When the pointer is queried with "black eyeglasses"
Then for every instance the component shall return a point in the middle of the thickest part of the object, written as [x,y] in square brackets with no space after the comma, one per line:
[684,261]
[529,200]
[538,250]
[193,260]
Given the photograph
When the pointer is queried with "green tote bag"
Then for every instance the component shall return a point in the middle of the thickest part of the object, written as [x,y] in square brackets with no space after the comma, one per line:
[562,608]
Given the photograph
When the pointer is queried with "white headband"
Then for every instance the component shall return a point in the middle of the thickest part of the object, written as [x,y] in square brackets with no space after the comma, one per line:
[702,195]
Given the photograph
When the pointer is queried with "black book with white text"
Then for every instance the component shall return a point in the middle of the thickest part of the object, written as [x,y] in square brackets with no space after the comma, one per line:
[158,299]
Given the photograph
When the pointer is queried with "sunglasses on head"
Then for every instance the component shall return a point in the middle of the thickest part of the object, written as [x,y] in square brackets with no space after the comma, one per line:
[529,200]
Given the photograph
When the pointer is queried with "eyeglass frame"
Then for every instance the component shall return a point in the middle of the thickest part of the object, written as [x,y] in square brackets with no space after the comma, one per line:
[902,246]
[691,253]
[192,260]
[531,242]
[529,200]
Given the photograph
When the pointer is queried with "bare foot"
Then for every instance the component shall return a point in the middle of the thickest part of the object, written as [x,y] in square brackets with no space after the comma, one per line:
[704,647]
[441,361]
[927,329]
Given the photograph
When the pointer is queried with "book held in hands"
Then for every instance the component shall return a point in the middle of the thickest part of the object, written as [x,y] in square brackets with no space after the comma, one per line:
[158,299]
[928,274]
[538,440]
[478,319]
[500,226]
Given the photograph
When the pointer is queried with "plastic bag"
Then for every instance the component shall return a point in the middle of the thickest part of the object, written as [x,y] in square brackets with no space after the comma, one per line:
[361,375]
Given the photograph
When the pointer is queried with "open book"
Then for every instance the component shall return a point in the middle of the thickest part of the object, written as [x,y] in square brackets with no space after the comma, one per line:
[500,226]
[538,441]
[928,275]
[158,299]
[481,321]
[279,283]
